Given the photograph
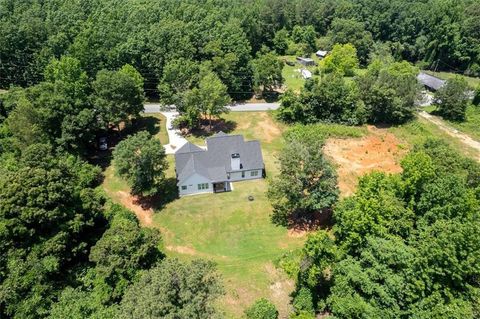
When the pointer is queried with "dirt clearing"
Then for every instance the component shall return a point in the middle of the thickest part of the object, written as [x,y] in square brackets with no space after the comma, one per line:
[143,215]
[378,151]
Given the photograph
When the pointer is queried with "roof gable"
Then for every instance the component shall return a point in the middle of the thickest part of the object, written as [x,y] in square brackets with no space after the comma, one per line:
[215,162]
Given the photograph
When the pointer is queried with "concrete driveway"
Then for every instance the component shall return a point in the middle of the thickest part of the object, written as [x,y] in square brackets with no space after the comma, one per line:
[177,140]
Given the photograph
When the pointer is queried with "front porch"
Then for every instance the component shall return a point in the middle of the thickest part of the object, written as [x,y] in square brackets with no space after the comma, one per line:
[221,187]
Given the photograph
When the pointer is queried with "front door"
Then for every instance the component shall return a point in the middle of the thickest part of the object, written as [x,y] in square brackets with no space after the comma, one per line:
[219,187]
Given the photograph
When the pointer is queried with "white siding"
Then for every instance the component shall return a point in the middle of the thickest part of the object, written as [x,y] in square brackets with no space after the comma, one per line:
[192,185]
[237,176]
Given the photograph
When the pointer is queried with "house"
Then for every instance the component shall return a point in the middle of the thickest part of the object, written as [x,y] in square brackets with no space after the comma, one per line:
[226,159]
[306,74]
[430,82]
[321,54]
[305,61]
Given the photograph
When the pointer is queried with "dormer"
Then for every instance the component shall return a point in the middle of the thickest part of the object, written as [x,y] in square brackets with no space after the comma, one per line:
[235,162]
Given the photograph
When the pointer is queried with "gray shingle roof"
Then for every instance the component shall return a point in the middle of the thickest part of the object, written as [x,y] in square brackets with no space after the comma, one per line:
[215,162]
[430,81]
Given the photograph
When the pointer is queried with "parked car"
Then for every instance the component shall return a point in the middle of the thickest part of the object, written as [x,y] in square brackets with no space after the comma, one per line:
[102,143]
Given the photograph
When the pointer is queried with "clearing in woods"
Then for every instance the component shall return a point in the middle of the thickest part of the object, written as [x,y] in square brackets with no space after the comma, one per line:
[355,157]
[237,233]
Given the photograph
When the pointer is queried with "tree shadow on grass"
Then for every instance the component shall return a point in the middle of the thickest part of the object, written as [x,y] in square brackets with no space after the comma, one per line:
[160,200]
[311,222]
[151,124]
[218,125]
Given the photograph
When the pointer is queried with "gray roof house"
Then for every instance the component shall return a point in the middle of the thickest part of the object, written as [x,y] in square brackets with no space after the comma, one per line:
[429,81]
[305,61]
[226,159]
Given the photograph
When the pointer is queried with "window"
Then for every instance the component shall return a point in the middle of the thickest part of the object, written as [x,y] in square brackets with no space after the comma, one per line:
[184,187]
[243,174]
[202,186]
[254,173]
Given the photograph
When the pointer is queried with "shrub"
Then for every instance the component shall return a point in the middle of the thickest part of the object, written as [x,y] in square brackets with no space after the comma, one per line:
[262,309]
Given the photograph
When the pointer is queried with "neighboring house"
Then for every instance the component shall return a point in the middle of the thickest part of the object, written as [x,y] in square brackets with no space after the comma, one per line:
[306,74]
[321,54]
[226,159]
[305,61]
[430,82]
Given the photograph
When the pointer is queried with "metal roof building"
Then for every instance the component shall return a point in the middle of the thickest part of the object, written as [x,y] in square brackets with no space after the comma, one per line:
[429,81]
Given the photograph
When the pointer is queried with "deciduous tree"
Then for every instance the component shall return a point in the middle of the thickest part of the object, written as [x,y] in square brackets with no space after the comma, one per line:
[141,160]
[342,60]
[174,289]
[452,100]
[307,183]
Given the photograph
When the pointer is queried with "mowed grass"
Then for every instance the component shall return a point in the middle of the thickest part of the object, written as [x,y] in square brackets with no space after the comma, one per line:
[155,124]
[234,232]
[472,81]
[293,77]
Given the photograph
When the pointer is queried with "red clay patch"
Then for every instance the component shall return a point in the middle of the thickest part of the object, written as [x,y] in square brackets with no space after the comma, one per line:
[379,151]
[130,202]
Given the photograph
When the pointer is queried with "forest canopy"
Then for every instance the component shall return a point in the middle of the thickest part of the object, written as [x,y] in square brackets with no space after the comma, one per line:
[226,35]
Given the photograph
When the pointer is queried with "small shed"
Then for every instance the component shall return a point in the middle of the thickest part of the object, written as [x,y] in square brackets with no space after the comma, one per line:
[321,54]
[430,82]
[305,61]
[306,74]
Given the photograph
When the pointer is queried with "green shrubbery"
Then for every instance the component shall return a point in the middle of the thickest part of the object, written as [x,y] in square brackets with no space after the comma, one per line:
[403,245]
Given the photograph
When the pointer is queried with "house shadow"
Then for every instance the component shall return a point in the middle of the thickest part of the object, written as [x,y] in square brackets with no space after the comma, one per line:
[311,222]
[204,130]
[157,202]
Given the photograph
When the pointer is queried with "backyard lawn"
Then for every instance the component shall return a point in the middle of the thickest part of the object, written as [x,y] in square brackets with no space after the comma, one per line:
[237,233]
[234,232]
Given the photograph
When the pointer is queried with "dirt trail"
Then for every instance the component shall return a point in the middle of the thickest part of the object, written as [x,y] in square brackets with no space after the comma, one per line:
[464,138]
[355,157]
[143,215]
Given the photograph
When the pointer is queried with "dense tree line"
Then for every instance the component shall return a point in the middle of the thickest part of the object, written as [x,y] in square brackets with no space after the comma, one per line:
[404,246]
[154,35]
[386,93]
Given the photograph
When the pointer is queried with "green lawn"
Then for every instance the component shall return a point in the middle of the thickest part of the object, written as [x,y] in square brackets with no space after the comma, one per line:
[155,124]
[235,233]
[419,130]
[293,77]
[473,82]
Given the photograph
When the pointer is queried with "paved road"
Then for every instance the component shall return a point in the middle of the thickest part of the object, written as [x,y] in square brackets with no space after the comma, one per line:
[244,107]
[176,140]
